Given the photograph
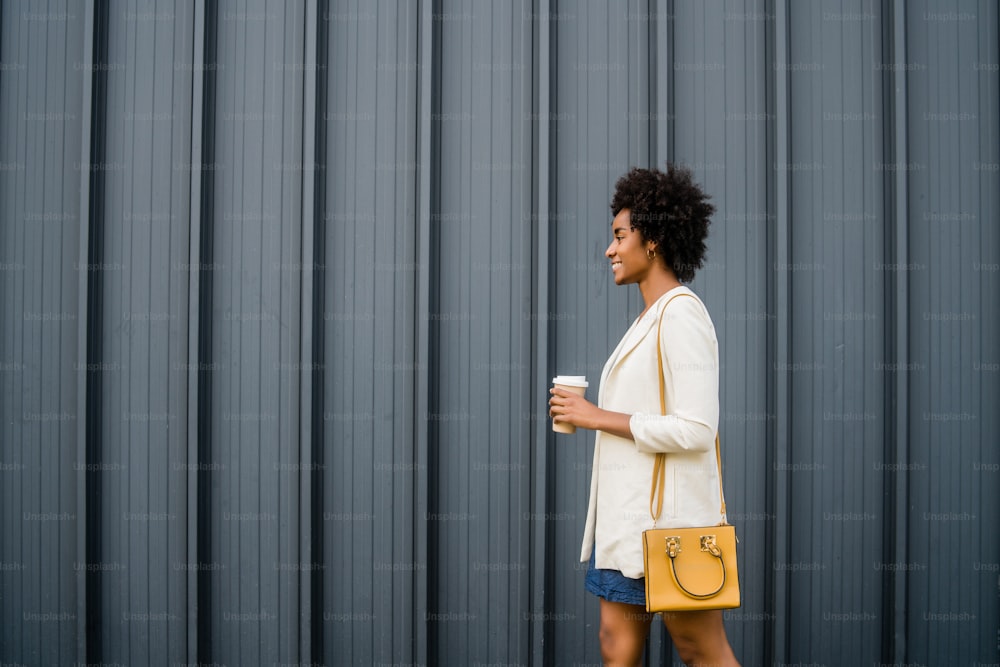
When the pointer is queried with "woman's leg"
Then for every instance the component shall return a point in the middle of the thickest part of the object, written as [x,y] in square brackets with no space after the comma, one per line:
[700,638]
[624,628]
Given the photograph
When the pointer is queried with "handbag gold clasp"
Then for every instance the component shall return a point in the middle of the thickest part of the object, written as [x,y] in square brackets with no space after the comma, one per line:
[673,545]
[708,544]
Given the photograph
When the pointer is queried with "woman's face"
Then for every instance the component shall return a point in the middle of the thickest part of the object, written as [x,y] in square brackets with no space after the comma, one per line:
[627,252]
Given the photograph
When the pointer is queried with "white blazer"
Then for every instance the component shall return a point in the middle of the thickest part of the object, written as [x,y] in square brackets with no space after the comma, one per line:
[623,469]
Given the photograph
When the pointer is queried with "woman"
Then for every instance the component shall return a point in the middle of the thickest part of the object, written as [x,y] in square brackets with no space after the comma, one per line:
[659,230]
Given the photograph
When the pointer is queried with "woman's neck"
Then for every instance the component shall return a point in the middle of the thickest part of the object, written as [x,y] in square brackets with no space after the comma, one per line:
[656,285]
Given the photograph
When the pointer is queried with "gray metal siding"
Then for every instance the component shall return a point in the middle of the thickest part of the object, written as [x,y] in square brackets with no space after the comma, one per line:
[40,141]
[284,285]
[256,260]
[143,278]
[369,317]
[478,453]
[837,276]
[720,115]
[599,130]
[952,186]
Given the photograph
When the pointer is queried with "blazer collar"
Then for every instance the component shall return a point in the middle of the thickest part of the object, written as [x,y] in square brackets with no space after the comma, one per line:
[642,326]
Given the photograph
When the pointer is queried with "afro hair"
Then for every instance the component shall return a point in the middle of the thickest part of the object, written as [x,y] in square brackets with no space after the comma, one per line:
[671,210]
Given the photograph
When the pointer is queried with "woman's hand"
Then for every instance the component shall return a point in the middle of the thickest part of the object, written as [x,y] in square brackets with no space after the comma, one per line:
[565,407]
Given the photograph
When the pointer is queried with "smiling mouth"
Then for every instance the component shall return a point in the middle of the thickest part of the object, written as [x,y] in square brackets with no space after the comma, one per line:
[615,265]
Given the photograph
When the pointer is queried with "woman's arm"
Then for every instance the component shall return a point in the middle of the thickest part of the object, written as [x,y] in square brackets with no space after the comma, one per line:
[691,361]
[691,353]
[567,408]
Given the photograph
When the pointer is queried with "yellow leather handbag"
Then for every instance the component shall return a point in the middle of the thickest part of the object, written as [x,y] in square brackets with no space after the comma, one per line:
[687,569]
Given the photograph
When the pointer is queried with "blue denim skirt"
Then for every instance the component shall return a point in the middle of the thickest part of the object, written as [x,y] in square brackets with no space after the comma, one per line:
[614,586]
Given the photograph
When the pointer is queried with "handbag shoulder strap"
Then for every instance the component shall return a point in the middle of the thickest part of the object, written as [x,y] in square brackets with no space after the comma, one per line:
[660,464]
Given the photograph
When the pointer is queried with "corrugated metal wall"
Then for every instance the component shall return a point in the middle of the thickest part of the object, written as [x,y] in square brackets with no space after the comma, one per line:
[41,473]
[283,286]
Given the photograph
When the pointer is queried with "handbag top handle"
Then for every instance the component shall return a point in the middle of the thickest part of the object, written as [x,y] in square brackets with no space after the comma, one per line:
[660,465]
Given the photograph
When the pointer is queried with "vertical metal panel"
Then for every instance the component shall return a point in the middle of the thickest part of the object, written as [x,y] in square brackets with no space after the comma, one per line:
[201,339]
[88,533]
[543,119]
[371,510]
[310,366]
[779,398]
[142,476]
[720,108]
[40,142]
[255,330]
[481,456]
[196,466]
[600,129]
[837,295]
[283,195]
[897,449]
[953,379]
[176,46]
[426,254]
[661,80]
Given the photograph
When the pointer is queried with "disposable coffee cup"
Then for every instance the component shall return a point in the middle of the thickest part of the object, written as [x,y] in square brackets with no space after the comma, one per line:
[576,384]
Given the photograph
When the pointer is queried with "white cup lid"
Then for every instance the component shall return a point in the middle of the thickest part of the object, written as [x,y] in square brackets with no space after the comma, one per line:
[571,380]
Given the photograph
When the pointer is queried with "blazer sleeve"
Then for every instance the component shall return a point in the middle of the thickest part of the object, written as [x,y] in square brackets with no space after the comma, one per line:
[691,370]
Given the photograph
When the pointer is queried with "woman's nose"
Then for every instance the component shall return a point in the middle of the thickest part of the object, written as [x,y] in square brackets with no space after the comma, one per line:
[608,253]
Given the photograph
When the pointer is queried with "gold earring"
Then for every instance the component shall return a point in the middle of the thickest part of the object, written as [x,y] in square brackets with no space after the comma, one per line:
[650,254]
